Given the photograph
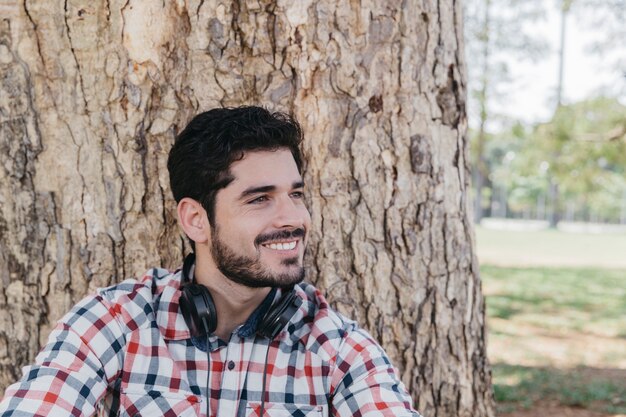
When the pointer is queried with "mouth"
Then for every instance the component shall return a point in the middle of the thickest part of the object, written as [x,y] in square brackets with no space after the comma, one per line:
[287,247]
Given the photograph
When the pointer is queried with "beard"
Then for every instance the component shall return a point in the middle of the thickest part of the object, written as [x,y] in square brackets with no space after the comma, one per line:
[249,271]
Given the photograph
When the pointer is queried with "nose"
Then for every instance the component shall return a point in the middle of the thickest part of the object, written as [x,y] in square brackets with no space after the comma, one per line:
[290,213]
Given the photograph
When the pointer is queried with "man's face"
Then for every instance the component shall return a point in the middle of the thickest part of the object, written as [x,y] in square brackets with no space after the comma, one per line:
[261,222]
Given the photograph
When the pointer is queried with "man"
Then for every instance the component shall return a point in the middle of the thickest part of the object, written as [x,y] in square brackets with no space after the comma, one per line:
[235,332]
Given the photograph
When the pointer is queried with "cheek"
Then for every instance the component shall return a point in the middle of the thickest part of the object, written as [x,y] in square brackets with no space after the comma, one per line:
[248,230]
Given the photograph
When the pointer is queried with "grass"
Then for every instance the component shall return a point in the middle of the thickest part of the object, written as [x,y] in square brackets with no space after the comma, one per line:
[551,248]
[558,299]
[556,309]
[572,304]
[522,387]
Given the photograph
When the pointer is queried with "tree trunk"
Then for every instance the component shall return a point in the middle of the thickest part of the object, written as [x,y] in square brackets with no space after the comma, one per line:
[92,95]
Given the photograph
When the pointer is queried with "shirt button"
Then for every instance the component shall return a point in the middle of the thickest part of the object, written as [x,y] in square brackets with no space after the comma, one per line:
[231,365]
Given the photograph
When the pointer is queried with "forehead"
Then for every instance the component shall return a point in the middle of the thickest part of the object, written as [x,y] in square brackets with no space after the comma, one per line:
[265,168]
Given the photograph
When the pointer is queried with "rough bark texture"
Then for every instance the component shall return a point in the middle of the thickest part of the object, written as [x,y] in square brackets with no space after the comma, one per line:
[92,94]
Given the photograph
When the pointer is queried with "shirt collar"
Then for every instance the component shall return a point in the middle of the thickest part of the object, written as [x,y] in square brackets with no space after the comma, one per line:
[170,320]
[249,327]
[246,330]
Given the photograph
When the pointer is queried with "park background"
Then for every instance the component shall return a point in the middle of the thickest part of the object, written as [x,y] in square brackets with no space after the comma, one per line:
[547,118]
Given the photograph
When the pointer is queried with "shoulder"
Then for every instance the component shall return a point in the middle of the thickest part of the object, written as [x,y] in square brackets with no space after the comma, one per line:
[151,284]
[321,329]
[136,301]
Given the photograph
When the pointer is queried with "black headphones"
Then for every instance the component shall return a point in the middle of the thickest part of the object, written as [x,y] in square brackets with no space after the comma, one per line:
[198,308]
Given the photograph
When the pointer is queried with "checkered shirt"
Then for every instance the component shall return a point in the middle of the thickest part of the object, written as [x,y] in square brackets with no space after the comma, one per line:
[126,351]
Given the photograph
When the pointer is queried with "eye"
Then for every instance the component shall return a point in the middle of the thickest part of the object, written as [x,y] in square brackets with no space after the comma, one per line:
[258,200]
[297,194]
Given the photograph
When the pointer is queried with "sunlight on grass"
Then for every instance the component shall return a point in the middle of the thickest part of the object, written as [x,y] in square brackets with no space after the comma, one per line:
[522,386]
[557,335]
[550,248]
[563,299]
[556,309]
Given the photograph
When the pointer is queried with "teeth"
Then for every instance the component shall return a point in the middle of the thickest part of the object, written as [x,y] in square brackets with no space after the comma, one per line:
[282,246]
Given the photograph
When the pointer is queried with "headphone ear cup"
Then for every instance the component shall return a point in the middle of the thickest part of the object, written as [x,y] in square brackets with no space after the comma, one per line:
[198,309]
[279,315]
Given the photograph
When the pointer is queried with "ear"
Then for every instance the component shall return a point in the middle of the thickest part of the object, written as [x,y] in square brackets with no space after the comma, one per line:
[193,219]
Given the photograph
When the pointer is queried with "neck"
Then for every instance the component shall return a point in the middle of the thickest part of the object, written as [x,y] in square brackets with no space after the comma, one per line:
[234,302]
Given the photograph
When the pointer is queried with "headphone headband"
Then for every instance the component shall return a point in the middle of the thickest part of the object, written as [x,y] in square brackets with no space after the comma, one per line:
[189,261]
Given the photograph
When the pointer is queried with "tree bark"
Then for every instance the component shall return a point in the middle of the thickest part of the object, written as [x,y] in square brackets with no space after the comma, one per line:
[92,95]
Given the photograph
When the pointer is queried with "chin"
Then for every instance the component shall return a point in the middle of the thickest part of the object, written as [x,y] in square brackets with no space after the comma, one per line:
[292,262]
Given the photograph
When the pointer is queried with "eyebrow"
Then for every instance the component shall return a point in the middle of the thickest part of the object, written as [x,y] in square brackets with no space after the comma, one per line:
[266,189]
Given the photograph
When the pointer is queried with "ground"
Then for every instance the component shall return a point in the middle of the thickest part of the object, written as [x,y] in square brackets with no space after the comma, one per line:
[556,410]
[557,334]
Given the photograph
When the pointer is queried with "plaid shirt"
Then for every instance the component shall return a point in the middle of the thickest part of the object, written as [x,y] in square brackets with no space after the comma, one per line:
[127,351]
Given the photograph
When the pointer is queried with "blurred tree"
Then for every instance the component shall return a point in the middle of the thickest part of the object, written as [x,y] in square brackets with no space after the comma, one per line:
[488,51]
[564,6]
[495,30]
[606,18]
[583,149]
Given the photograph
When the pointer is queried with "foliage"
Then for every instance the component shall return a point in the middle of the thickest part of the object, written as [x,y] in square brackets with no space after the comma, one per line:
[494,31]
[572,165]
[583,149]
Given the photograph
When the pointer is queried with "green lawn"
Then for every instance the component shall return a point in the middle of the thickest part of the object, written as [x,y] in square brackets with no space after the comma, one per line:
[522,387]
[558,299]
[531,311]
[557,333]
[551,248]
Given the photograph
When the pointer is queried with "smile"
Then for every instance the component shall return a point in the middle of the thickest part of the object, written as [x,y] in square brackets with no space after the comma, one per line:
[284,246]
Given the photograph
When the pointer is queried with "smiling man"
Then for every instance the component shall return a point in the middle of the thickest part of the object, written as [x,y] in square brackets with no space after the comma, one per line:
[235,331]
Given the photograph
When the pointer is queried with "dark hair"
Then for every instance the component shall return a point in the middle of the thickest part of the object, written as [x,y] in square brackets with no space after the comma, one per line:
[200,159]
